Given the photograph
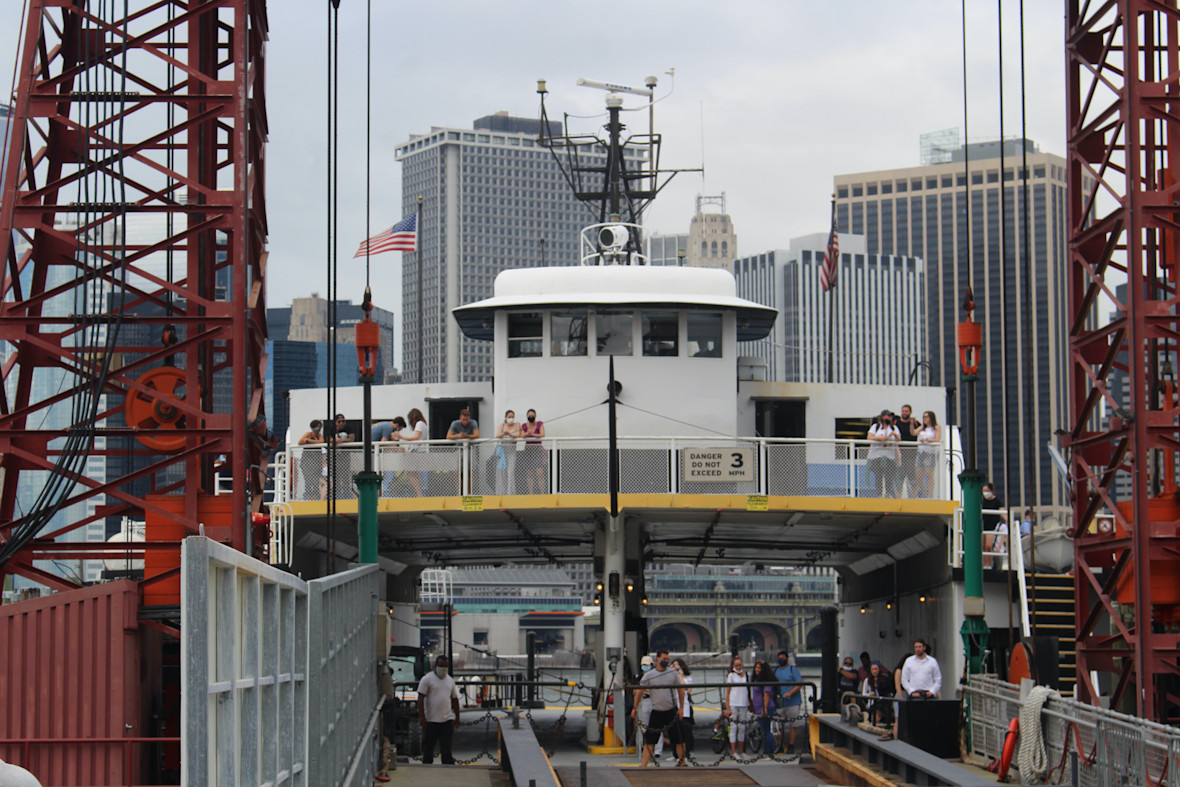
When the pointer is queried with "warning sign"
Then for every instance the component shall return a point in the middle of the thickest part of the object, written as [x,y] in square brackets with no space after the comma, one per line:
[718,465]
[472,503]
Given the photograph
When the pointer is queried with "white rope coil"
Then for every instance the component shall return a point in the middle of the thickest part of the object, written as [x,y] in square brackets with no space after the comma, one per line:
[1031,760]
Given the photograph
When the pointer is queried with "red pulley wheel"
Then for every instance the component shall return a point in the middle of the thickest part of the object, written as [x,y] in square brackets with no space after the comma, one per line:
[143,410]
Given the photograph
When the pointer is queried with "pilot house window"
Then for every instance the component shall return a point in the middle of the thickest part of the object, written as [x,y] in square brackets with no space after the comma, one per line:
[613,332]
[704,335]
[661,333]
[525,335]
[567,333]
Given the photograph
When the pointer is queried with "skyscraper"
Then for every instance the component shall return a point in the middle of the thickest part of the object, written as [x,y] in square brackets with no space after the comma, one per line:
[878,323]
[492,199]
[298,344]
[922,212]
[712,243]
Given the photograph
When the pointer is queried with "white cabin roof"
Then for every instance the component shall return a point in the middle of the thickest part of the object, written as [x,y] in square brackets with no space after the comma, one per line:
[612,286]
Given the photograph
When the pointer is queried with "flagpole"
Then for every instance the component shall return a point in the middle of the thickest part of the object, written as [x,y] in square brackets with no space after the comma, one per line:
[421,322]
[832,292]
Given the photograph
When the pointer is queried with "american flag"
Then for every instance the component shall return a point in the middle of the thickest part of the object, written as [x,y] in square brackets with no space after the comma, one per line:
[402,236]
[827,274]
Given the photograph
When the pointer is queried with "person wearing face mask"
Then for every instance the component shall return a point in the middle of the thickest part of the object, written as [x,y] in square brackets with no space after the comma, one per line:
[790,699]
[505,454]
[883,456]
[311,462]
[666,692]
[737,706]
[535,459]
[995,524]
[438,712]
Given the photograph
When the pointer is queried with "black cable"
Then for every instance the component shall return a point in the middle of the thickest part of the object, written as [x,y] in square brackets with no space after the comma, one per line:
[1030,415]
[1005,342]
[85,399]
[330,354]
[368,130]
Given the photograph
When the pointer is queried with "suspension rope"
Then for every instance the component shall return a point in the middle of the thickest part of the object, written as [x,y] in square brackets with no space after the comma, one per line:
[1030,426]
[966,157]
[333,87]
[368,131]
[1005,361]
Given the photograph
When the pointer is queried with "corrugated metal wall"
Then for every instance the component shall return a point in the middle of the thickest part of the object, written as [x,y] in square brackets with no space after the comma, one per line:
[69,670]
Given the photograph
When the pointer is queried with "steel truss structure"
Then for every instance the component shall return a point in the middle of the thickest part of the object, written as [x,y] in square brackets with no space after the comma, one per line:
[1122,67]
[149,112]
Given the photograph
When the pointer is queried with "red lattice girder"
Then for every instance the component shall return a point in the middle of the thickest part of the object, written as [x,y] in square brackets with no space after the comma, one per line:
[1124,121]
[117,120]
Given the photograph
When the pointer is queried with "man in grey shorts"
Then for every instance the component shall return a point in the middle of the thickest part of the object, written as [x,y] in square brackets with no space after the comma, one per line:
[666,691]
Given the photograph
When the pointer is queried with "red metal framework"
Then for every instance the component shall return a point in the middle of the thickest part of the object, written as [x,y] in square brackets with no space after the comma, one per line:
[123,119]
[1123,62]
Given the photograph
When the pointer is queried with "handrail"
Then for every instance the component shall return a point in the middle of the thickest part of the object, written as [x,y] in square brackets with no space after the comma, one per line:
[772,466]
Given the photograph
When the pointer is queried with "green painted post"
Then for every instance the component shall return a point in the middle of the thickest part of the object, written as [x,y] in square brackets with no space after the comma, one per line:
[368,486]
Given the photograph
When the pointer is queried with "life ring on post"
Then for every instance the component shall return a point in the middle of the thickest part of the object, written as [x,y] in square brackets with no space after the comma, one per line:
[1001,766]
[143,410]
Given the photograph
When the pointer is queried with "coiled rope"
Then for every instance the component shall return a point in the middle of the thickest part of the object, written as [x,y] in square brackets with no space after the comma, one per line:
[1031,759]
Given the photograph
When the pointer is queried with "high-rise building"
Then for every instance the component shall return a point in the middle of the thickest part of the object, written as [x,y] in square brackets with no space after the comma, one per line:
[665,249]
[492,199]
[878,321]
[923,212]
[712,243]
[298,344]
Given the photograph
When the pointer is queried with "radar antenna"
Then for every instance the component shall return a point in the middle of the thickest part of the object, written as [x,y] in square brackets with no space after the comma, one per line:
[619,185]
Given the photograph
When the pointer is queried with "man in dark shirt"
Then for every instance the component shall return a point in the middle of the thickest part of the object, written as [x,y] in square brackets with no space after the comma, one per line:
[995,524]
[464,428]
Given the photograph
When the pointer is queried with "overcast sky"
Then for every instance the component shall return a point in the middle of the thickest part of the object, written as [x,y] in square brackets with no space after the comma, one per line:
[774,97]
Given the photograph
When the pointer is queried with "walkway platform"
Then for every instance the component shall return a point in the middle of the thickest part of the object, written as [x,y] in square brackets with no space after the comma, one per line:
[847,754]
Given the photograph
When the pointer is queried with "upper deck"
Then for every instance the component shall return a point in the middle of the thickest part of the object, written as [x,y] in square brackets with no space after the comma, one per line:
[692,499]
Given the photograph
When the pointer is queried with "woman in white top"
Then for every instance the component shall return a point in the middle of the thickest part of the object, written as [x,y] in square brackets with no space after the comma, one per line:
[415,431]
[929,439]
[507,433]
[737,706]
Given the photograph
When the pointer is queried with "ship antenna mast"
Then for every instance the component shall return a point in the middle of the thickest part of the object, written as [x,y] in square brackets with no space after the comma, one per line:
[619,187]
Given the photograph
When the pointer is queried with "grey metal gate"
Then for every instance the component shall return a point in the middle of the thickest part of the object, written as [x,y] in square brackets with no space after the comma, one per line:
[278,675]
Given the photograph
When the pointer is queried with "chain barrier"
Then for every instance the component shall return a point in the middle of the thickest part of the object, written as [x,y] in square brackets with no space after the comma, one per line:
[721,728]
[487,719]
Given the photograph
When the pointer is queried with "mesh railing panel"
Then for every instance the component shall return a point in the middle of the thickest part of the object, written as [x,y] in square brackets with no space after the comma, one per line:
[827,468]
[1126,750]
[582,469]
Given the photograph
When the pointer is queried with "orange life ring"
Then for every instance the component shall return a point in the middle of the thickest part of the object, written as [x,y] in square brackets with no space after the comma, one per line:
[1009,750]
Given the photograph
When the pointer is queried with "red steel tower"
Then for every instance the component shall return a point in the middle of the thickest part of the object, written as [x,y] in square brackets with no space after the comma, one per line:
[1124,125]
[153,115]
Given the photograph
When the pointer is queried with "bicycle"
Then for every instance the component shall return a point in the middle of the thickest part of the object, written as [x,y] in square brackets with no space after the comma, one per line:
[720,739]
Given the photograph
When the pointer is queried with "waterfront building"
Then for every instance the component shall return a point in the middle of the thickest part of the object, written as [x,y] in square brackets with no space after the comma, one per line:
[698,608]
[879,322]
[712,243]
[496,608]
[492,199]
[923,212]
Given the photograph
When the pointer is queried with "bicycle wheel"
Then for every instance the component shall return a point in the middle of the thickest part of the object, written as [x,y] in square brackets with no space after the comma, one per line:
[720,739]
[754,738]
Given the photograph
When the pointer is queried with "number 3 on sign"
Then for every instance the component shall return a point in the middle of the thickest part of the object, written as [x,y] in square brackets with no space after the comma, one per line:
[738,459]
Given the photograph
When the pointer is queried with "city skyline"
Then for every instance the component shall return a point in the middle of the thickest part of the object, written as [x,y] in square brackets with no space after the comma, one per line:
[781,96]
[921,211]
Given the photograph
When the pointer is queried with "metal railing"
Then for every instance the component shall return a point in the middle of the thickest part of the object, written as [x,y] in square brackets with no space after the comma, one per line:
[1109,745]
[997,556]
[279,675]
[572,465]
